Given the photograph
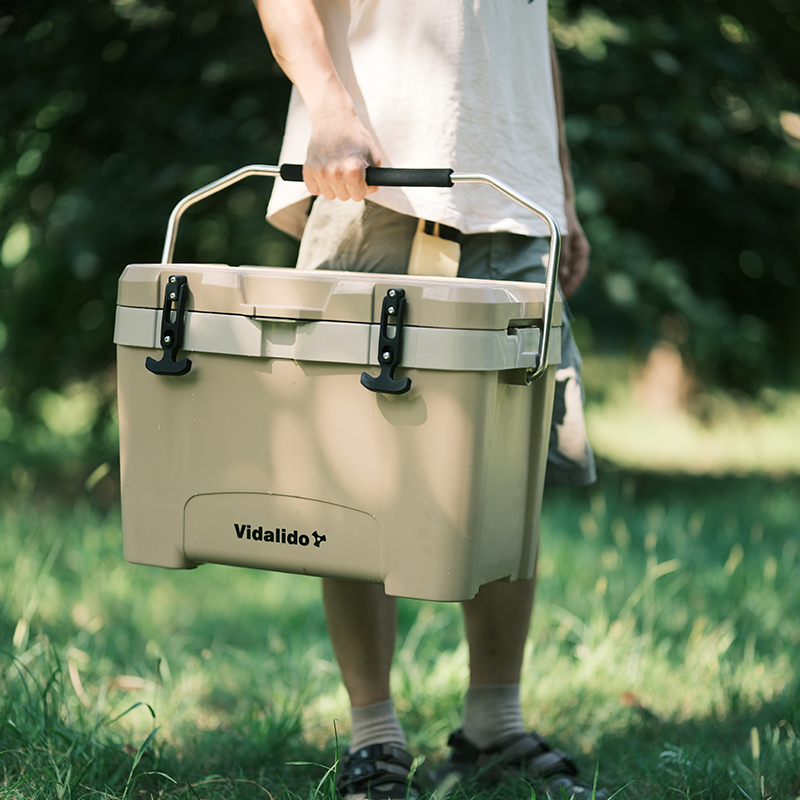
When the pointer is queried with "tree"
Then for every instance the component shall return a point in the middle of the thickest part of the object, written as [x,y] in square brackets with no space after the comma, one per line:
[116,110]
[684,127]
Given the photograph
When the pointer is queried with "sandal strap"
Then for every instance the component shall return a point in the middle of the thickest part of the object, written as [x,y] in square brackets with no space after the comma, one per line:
[462,749]
[524,748]
[385,766]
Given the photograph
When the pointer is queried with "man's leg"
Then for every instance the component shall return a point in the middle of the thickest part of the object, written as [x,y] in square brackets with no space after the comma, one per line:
[361,618]
[498,618]
[362,626]
[496,621]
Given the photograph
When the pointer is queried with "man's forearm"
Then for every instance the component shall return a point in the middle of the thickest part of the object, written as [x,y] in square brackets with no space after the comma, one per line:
[297,40]
[340,147]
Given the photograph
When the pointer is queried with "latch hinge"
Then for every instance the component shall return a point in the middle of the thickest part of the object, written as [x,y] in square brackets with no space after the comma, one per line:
[390,348]
[173,324]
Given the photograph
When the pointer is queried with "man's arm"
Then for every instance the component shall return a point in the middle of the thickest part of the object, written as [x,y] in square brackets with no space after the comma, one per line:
[575,247]
[341,147]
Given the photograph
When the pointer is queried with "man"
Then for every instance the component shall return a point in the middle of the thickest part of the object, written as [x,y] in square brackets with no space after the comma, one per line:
[475,87]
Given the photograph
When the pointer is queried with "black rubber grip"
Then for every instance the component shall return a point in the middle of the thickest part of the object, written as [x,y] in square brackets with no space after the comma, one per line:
[385,176]
[292,172]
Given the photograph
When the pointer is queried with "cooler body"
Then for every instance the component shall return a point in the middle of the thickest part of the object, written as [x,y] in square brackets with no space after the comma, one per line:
[271,453]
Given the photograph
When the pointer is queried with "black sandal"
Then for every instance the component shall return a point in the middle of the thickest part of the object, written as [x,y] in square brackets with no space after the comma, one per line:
[527,754]
[377,772]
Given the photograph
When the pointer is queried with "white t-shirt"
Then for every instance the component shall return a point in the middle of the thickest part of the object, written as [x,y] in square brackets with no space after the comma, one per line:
[460,84]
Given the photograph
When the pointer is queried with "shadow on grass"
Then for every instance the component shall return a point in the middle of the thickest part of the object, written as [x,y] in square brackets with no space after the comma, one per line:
[750,751]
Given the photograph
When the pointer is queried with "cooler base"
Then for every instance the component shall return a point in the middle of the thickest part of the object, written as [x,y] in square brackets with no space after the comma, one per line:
[295,467]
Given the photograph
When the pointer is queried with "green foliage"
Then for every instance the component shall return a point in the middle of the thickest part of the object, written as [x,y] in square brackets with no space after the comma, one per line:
[684,128]
[682,118]
[115,111]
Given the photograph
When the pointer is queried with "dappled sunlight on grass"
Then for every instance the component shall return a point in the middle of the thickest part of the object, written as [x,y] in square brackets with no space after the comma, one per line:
[656,417]
[661,619]
[736,438]
[666,631]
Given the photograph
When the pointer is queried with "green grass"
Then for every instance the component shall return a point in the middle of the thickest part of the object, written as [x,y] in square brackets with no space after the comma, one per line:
[665,646]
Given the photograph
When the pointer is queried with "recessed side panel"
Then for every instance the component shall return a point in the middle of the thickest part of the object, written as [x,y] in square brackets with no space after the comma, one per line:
[282,533]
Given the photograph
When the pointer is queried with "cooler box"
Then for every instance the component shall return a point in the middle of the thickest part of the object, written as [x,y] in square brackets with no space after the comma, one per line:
[351,425]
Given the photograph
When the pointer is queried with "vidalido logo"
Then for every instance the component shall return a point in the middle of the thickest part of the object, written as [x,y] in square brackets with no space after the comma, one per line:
[278,536]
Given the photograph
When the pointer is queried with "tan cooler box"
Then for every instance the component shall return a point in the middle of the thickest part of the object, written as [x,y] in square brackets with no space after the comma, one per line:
[372,427]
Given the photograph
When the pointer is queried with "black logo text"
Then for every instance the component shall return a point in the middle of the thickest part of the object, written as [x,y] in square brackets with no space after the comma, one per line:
[278,536]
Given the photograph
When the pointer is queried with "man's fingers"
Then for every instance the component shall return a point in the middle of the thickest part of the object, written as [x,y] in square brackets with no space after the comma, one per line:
[339,152]
[342,179]
[310,180]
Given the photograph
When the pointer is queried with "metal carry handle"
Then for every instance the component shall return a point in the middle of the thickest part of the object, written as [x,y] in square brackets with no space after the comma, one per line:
[400,177]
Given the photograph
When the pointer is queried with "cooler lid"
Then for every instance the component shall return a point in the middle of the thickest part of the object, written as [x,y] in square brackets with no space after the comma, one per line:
[323,295]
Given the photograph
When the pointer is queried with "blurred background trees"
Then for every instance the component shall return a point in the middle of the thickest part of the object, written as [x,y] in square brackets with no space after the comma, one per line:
[684,124]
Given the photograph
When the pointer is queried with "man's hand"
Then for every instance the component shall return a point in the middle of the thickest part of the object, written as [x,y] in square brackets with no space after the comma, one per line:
[574,262]
[339,152]
[341,148]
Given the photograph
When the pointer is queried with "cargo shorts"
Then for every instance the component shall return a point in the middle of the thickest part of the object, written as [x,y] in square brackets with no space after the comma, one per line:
[367,237]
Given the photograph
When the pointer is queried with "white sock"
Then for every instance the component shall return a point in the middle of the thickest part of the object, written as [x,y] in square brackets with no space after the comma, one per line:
[492,714]
[375,724]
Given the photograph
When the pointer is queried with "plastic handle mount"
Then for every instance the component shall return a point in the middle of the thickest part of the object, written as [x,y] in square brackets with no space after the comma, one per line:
[385,176]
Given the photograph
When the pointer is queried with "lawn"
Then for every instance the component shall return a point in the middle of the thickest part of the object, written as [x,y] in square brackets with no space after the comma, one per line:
[664,648]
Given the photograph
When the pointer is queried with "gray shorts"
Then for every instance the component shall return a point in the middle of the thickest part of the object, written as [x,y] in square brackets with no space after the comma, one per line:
[366,237]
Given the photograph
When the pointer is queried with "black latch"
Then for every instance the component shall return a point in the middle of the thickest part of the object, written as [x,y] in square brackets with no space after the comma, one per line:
[390,348]
[172,327]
